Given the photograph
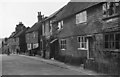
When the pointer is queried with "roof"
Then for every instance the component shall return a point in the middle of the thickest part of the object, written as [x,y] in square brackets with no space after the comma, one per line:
[35,27]
[52,15]
[74,7]
[12,35]
[20,33]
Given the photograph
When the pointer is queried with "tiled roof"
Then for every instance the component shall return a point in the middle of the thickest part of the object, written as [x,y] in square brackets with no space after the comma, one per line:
[20,33]
[35,27]
[74,7]
[12,35]
[52,15]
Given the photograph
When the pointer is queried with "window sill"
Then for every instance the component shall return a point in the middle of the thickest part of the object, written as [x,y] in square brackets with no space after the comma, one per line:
[60,29]
[62,49]
[82,49]
[81,23]
[112,50]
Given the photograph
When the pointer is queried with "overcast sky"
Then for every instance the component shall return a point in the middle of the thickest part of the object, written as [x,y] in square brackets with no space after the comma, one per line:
[14,11]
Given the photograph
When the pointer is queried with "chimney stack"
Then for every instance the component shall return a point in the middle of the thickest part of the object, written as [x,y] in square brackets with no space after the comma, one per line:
[39,16]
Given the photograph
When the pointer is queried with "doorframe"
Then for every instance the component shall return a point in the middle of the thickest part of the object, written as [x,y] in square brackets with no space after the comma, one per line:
[88,47]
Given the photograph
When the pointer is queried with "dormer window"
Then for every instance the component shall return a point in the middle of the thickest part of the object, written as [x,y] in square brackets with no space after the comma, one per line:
[110,8]
[60,25]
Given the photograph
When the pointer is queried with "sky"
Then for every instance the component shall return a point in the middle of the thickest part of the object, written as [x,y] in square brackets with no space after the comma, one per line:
[14,11]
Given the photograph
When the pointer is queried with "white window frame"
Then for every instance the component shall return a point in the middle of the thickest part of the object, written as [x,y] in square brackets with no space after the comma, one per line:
[81,17]
[63,43]
[82,40]
[51,27]
[29,47]
[35,45]
[60,25]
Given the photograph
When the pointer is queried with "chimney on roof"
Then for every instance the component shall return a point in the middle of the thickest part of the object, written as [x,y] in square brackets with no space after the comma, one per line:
[39,16]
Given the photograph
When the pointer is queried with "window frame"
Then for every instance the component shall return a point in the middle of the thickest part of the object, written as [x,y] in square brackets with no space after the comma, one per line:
[110,41]
[81,42]
[80,16]
[63,43]
[60,25]
[106,7]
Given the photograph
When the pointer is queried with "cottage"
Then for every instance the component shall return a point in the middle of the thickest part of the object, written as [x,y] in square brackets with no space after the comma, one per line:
[88,33]
[20,40]
[4,47]
[33,37]
[11,43]
[48,40]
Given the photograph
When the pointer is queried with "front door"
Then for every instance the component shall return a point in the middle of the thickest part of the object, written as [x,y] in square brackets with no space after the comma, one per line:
[90,54]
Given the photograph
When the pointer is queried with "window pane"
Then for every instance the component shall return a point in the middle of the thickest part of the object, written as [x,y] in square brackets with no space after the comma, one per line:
[106,38]
[78,39]
[117,43]
[111,37]
[106,44]
[85,39]
[81,17]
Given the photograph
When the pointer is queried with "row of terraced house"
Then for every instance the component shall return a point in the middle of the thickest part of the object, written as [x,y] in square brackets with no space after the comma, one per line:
[78,33]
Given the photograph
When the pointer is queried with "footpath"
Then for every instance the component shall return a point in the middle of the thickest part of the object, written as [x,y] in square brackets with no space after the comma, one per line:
[66,66]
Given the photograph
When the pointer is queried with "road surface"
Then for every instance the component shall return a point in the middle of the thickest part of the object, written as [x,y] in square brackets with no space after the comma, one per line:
[20,65]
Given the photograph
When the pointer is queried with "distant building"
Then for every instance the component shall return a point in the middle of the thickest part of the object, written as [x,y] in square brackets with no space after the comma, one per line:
[4,46]
[20,41]
[33,37]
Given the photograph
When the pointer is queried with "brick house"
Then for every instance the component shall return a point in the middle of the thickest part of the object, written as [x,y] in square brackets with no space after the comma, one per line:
[88,33]
[47,40]
[4,47]
[11,43]
[33,36]
[21,45]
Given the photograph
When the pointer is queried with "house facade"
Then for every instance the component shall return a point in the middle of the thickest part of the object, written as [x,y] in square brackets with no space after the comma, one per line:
[11,43]
[33,35]
[48,40]
[21,45]
[88,32]
[4,47]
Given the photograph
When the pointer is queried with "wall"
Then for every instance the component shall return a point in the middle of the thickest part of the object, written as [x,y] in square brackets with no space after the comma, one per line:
[71,30]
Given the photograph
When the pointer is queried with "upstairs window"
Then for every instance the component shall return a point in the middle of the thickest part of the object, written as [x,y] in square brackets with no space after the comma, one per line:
[112,41]
[82,42]
[51,26]
[62,44]
[110,8]
[60,25]
[81,17]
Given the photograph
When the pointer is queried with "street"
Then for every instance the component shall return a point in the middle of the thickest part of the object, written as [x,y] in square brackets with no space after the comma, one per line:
[19,65]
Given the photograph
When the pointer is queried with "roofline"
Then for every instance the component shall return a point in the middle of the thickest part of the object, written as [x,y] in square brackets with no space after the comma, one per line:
[77,12]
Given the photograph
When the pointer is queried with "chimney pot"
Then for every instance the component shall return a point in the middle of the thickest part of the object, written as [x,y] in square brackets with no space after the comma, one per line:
[39,13]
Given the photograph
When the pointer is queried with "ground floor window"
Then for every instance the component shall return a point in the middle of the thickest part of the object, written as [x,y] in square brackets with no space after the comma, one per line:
[63,44]
[29,46]
[82,40]
[112,41]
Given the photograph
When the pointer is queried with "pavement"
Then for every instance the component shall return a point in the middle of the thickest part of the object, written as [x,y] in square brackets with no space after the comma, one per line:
[65,66]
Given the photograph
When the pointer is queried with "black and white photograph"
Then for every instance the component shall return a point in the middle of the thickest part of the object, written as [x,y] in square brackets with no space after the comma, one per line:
[60,38]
